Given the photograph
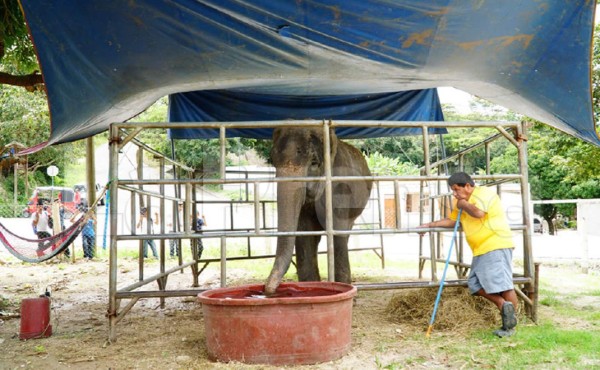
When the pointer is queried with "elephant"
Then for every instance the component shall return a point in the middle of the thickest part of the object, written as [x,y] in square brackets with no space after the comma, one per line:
[299,152]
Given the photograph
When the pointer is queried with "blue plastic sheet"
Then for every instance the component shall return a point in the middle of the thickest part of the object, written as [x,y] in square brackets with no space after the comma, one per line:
[106,61]
[228,106]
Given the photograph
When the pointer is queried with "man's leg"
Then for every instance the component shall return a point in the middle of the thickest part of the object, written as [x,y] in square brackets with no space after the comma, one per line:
[153,247]
[500,298]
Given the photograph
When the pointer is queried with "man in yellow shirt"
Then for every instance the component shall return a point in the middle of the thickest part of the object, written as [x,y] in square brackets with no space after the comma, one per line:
[490,238]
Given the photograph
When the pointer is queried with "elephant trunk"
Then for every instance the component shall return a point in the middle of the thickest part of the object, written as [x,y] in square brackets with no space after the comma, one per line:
[290,198]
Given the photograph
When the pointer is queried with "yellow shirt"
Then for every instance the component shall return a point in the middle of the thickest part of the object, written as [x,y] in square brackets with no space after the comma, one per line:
[490,232]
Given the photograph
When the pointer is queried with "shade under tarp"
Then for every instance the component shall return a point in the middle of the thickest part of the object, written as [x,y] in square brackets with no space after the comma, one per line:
[106,61]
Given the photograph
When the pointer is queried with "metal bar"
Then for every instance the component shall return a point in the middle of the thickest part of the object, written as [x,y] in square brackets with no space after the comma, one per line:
[494,177]
[328,203]
[256,208]
[317,123]
[508,136]
[523,296]
[158,154]
[113,171]
[130,135]
[154,277]
[380,210]
[468,149]
[244,233]
[223,152]
[523,170]
[161,294]
[223,262]
[425,284]
[126,309]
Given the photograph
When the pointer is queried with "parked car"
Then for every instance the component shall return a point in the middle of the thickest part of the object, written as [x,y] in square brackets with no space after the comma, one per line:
[45,194]
[538,225]
[83,192]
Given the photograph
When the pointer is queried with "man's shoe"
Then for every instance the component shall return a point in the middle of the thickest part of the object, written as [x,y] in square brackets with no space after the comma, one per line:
[504,333]
[509,319]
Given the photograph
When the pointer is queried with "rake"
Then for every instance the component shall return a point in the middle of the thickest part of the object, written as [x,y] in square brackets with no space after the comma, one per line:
[439,293]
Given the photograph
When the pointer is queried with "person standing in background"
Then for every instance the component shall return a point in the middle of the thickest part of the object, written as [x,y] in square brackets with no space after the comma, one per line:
[143,224]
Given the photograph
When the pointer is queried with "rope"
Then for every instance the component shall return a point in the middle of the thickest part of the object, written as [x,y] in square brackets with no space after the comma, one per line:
[106,207]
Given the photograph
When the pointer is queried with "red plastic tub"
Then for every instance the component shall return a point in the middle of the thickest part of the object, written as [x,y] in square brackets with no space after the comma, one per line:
[35,318]
[305,323]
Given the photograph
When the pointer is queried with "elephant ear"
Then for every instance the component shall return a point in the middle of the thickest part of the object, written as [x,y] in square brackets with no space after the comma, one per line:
[333,142]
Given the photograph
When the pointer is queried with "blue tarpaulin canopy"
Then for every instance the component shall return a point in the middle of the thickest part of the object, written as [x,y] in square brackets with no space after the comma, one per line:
[227,106]
[106,61]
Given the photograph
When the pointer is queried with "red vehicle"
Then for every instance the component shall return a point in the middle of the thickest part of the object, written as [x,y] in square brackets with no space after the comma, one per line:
[45,194]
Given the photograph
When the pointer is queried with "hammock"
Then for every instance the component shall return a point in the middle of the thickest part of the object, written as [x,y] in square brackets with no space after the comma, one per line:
[39,250]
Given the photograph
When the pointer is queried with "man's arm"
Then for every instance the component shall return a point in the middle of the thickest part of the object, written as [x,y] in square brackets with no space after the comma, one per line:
[445,222]
[471,209]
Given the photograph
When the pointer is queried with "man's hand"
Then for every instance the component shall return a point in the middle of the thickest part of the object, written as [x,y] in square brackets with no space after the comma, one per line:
[427,225]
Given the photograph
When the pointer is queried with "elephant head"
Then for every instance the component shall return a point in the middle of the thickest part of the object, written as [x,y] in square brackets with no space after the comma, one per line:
[299,152]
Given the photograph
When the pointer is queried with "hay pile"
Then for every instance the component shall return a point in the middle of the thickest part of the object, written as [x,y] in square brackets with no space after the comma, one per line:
[457,310]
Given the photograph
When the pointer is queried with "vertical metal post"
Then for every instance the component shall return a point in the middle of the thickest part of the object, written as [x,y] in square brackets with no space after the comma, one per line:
[397,206]
[15,189]
[421,221]
[223,261]
[223,144]
[90,167]
[380,209]
[140,176]
[161,220]
[328,201]
[256,207]
[527,242]
[113,171]
[428,173]
[488,155]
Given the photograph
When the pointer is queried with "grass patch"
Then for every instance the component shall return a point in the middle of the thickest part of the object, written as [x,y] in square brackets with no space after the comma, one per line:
[534,345]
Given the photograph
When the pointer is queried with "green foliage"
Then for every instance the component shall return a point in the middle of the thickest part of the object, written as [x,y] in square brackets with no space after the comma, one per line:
[24,118]
[386,166]
[19,55]
[561,167]
[404,148]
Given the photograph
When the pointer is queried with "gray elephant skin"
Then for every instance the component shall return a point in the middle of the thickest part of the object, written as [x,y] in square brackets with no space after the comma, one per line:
[298,152]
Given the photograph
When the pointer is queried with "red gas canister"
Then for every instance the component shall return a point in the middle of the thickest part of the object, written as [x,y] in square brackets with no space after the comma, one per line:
[35,318]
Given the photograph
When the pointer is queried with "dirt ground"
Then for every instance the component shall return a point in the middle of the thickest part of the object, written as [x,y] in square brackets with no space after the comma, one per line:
[173,337]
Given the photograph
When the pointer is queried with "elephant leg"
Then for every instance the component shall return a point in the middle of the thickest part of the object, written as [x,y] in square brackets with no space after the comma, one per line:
[341,259]
[307,248]
[306,258]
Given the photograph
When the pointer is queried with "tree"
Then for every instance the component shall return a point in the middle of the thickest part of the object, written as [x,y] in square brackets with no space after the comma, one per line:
[561,167]
[18,62]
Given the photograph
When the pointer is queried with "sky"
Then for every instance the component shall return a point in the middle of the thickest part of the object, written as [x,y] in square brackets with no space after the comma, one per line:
[458,98]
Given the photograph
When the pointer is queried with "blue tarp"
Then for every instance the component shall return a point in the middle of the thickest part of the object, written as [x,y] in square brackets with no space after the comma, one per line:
[106,61]
[227,106]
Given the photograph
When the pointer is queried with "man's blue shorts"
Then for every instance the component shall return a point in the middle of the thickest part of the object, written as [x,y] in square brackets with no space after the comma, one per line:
[492,272]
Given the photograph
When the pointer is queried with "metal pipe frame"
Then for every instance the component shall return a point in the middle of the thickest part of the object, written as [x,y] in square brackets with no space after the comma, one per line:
[136,187]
